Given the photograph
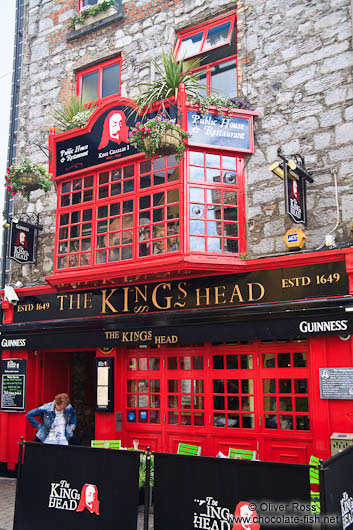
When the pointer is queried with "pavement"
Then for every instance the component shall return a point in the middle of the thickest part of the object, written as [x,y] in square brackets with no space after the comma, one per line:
[7,504]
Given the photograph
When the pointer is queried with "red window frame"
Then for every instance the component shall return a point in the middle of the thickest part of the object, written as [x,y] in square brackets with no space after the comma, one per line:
[204,29]
[80,6]
[88,205]
[207,69]
[220,190]
[98,68]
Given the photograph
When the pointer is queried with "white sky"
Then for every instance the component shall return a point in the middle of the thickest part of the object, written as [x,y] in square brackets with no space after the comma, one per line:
[7,31]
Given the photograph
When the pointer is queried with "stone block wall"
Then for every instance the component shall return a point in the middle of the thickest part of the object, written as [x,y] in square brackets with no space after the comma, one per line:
[295,65]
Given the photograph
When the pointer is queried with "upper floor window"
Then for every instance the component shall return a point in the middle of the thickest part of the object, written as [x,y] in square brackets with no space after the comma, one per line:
[213,47]
[99,81]
[88,3]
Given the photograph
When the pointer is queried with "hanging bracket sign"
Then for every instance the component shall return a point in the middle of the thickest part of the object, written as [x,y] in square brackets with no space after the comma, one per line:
[23,241]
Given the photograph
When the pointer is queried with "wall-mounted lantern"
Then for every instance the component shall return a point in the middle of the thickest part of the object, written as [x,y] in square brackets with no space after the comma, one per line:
[294,174]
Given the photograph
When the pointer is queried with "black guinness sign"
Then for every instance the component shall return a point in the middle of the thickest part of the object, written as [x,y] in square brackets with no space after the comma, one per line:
[23,242]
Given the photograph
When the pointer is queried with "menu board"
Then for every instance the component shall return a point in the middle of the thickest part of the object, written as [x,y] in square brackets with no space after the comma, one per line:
[13,384]
[105,384]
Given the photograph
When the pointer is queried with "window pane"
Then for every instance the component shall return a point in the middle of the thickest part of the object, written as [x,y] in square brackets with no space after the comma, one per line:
[270,421]
[284,360]
[285,386]
[300,386]
[89,91]
[224,78]
[299,360]
[111,80]
[190,45]
[217,36]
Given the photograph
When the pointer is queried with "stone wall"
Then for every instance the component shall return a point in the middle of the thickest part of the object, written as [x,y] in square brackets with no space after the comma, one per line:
[295,66]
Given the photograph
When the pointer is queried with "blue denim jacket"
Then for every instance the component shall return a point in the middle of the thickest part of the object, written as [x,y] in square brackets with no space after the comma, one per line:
[47,414]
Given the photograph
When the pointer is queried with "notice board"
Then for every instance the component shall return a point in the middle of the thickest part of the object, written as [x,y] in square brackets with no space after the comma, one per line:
[13,384]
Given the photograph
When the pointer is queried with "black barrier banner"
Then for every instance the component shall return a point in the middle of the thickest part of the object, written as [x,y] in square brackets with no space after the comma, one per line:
[77,487]
[337,494]
[221,494]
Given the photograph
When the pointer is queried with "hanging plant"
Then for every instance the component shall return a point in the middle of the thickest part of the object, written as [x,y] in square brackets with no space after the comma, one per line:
[27,177]
[221,103]
[159,136]
[91,11]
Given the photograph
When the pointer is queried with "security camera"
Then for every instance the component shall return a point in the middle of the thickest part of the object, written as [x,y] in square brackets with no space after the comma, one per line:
[11,295]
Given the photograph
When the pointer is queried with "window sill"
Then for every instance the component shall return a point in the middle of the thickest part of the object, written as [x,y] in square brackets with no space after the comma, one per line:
[94,23]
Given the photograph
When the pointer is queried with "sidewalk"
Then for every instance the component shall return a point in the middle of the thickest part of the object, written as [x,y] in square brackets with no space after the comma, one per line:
[7,503]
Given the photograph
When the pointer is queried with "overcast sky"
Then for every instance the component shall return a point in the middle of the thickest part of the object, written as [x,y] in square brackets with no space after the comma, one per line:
[7,31]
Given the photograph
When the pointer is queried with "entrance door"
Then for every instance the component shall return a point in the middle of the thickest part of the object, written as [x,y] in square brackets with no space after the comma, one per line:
[253,396]
[72,373]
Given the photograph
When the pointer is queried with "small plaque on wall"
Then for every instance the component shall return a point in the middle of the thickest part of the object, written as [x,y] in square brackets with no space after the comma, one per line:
[105,384]
[336,383]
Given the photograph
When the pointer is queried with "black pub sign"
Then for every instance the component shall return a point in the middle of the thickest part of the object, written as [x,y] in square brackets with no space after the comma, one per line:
[23,242]
[231,290]
[295,198]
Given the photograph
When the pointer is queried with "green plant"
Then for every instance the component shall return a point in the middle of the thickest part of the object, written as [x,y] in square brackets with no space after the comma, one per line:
[218,101]
[18,177]
[90,11]
[73,113]
[170,74]
[148,136]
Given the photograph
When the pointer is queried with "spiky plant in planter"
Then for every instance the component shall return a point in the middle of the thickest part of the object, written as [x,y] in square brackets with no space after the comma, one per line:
[73,113]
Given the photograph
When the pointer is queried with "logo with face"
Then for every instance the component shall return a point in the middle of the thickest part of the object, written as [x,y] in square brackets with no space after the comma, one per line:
[114,129]
[244,517]
[89,499]
[21,239]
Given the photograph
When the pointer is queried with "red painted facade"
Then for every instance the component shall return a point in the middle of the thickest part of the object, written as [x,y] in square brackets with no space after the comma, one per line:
[261,393]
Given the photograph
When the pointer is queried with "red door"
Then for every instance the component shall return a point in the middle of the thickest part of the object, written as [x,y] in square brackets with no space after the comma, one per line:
[253,396]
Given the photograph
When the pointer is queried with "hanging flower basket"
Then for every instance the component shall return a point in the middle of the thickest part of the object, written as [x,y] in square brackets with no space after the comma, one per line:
[168,143]
[27,177]
[159,136]
[29,181]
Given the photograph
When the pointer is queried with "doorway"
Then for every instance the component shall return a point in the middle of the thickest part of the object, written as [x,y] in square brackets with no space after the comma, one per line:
[82,395]
[72,373]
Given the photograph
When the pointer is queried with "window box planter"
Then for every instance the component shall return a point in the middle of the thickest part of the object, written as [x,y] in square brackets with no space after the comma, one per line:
[91,19]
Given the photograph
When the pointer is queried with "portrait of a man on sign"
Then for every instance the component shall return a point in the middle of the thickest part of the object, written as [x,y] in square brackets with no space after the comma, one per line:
[22,243]
[114,129]
[89,499]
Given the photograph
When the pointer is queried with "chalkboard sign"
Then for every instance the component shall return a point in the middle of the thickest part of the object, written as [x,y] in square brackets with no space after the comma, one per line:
[13,384]
[336,383]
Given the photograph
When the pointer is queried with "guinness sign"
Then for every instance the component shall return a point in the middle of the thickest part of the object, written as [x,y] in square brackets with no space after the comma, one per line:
[23,242]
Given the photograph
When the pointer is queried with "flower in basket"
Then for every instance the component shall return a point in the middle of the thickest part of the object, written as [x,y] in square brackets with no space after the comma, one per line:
[159,136]
[27,177]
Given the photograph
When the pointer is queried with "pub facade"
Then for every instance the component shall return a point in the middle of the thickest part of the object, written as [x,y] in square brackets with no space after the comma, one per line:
[164,298]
